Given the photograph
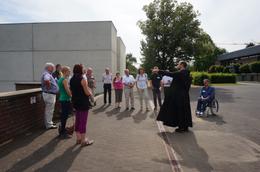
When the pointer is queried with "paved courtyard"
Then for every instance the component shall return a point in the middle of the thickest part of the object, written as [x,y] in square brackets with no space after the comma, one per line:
[134,141]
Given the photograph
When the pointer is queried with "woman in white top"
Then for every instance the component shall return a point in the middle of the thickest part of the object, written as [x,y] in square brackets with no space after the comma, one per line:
[142,85]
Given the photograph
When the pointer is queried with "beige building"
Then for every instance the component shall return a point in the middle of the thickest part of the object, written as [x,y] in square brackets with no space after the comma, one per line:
[25,48]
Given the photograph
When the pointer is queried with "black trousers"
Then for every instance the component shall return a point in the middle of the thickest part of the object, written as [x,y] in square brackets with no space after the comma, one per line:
[157,95]
[65,111]
[107,89]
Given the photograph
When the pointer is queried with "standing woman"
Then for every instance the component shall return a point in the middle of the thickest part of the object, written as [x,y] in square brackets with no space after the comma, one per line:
[118,86]
[80,100]
[65,100]
[142,84]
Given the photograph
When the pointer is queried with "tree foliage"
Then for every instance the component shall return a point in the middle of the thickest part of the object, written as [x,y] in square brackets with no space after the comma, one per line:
[130,61]
[172,33]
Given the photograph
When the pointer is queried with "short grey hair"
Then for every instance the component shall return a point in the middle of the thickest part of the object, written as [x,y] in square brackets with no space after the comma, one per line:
[206,80]
[48,64]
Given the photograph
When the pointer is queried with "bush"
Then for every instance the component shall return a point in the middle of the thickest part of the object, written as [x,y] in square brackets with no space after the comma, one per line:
[198,77]
[255,67]
[245,68]
[216,69]
[222,78]
[226,69]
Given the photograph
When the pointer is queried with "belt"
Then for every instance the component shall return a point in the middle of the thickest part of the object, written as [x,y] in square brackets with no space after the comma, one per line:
[49,92]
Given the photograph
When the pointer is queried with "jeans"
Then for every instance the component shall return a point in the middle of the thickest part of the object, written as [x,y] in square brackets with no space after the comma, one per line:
[49,100]
[157,95]
[107,89]
[118,95]
[202,104]
[65,111]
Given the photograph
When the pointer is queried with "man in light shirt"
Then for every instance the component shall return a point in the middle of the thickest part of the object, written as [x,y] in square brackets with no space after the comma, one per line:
[166,83]
[129,82]
[49,90]
[107,80]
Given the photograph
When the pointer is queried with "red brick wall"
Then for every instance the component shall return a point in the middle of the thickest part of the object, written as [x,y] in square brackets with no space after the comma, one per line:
[19,112]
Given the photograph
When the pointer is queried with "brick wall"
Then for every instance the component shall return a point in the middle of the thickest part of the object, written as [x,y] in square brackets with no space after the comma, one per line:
[20,111]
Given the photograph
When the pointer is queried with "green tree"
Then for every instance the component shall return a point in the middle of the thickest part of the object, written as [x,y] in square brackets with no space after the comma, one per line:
[205,52]
[130,61]
[171,29]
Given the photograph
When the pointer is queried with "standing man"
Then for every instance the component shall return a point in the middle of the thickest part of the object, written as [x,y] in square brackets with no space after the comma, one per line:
[166,83]
[49,91]
[57,74]
[91,85]
[156,84]
[129,82]
[107,80]
[176,111]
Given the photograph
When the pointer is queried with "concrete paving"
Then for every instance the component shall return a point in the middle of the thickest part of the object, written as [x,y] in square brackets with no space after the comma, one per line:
[228,142]
[131,141]
[124,141]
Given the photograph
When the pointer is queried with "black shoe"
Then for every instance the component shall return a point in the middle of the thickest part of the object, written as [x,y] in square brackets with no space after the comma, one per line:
[65,136]
[181,130]
[126,109]
[132,108]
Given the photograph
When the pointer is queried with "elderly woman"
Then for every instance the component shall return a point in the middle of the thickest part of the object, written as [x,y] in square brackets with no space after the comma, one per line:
[65,100]
[80,100]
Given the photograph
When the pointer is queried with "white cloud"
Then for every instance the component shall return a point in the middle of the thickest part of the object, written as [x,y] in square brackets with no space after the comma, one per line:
[226,21]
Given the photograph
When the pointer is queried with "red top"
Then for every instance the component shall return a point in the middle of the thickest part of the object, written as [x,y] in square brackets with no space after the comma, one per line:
[118,84]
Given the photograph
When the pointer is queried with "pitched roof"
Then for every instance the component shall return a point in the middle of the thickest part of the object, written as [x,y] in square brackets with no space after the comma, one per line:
[251,51]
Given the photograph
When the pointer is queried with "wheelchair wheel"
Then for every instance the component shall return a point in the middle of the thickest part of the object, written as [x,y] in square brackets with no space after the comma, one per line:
[214,107]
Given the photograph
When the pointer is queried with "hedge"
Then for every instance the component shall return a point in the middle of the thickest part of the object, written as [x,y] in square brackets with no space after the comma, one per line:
[245,68]
[216,69]
[198,77]
[255,67]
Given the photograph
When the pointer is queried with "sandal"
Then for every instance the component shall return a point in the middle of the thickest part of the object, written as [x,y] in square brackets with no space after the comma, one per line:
[87,143]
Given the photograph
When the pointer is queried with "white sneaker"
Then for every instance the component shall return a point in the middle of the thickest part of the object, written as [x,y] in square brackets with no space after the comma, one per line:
[201,113]
[197,112]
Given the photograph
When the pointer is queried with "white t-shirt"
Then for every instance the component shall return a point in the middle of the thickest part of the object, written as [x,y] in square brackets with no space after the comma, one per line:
[166,80]
[107,79]
[128,80]
[141,81]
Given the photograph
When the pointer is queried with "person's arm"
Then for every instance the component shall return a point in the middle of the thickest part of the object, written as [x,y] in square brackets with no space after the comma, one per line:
[66,86]
[86,89]
[171,74]
[136,81]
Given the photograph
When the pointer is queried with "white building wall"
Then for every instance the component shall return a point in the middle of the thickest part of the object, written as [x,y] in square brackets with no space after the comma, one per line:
[121,56]
[27,47]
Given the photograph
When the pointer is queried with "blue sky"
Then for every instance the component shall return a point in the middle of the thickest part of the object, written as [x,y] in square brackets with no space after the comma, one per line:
[226,21]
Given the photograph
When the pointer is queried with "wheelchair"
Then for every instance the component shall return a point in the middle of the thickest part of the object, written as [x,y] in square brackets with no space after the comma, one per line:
[212,108]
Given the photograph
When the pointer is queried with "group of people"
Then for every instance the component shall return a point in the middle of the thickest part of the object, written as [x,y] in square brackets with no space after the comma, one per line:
[175,110]
[76,90]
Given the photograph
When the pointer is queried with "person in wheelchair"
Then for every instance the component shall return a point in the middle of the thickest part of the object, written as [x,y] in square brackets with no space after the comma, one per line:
[207,94]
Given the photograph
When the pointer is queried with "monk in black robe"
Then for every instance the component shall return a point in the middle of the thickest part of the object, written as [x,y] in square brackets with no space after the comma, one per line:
[176,110]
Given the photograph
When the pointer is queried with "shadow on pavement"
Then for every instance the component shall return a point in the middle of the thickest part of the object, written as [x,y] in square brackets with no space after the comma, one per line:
[191,155]
[100,109]
[140,116]
[124,114]
[112,112]
[36,156]
[218,119]
[20,141]
[62,162]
